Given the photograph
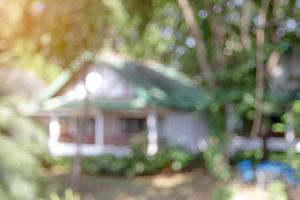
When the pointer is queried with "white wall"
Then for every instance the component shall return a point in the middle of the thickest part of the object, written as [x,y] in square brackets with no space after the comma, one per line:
[184,129]
[113,85]
[110,85]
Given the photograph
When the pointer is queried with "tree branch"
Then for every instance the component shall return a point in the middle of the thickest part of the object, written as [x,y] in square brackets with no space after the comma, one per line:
[218,34]
[195,32]
[259,90]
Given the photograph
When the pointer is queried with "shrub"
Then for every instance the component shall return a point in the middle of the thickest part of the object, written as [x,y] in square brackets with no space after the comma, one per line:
[174,159]
[22,145]
[18,172]
[254,156]
[215,160]
[139,163]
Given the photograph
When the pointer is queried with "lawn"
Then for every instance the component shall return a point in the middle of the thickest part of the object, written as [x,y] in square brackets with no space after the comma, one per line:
[193,185]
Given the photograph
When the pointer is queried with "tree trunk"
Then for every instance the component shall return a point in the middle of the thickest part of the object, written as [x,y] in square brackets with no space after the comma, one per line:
[195,32]
[218,35]
[265,146]
[260,39]
[81,130]
[76,168]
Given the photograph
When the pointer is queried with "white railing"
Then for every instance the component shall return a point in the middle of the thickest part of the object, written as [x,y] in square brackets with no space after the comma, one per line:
[70,149]
[239,143]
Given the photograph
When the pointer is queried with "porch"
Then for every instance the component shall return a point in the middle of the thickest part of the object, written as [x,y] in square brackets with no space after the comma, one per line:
[103,133]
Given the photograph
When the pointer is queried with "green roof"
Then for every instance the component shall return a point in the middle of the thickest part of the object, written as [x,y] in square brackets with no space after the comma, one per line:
[101,104]
[156,85]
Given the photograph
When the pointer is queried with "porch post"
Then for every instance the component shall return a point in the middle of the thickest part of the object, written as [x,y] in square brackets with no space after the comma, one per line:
[152,133]
[99,129]
[54,131]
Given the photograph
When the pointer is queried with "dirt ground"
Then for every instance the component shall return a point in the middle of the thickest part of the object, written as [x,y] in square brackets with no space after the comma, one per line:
[195,185]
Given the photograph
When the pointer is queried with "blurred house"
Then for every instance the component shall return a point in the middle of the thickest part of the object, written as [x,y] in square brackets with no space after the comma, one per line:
[106,100]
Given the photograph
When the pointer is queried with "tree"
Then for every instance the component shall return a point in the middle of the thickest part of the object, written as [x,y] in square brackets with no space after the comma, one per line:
[196,33]
[260,41]
[20,165]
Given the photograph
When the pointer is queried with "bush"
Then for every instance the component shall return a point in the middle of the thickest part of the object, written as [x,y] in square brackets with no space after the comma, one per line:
[173,159]
[64,162]
[139,163]
[215,160]
[18,172]
[253,155]
[22,145]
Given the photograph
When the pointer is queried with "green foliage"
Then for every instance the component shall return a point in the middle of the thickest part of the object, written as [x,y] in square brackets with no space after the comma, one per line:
[296,115]
[64,162]
[18,171]
[287,157]
[289,118]
[278,127]
[173,159]
[24,131]
[138,145]
[277,191]
[69,195]
[22,143]
[138,163]
[216,161]
[254,155]
[222,193]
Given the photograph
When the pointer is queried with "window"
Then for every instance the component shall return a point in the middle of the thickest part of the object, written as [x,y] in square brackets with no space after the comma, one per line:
[133,125]
[70,126]
[66,132]
[87,128]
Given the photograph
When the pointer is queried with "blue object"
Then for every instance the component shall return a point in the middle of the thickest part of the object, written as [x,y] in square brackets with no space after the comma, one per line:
[245,169]
[272,170]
